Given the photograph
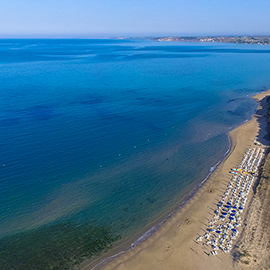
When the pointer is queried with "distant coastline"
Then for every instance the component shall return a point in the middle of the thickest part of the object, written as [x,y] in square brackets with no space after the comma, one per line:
[260,40]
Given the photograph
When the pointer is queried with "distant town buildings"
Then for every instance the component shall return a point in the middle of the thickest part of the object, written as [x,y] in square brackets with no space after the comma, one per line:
[263,40]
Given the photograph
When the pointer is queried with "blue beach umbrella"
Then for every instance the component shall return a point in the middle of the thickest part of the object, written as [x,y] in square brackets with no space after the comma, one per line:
[231,218]
[229,203]
[234,230]
[224,213]
[241,208]
[232,215]
[218,231]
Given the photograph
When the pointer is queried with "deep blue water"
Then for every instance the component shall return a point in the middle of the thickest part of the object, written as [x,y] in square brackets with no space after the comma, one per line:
[116,131]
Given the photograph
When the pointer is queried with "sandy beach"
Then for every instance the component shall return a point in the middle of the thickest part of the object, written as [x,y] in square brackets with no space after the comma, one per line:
[174,246]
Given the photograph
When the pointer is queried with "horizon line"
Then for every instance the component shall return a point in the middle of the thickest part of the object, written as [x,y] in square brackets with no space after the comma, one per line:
[129,36]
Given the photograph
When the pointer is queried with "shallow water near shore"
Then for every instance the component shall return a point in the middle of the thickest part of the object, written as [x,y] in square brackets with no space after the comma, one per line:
[110,132]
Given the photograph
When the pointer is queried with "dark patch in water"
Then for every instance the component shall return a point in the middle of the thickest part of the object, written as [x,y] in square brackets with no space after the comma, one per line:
[40,113]
[235,99]
[92,100]
[150,99]
[150,200]
[54,247]
[9,122]
[88,100]
[234,113]
[140,98]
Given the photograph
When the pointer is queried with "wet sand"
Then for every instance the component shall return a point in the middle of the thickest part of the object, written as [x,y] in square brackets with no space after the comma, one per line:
[174,246]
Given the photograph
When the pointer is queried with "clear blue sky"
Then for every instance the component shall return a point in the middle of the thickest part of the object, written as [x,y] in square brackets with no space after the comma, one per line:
[99,18]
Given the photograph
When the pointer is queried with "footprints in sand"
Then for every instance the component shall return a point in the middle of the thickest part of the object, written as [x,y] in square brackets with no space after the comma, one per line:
[167,249]
[187,221]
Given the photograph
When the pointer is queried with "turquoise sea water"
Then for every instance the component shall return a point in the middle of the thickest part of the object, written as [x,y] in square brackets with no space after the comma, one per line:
[114,132]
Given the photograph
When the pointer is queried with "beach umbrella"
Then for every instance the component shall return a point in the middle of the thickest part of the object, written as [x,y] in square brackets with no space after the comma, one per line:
[224,213]
[232,215]
[241,208]
[231,218]
[234,230]
[218,231]
[229,203]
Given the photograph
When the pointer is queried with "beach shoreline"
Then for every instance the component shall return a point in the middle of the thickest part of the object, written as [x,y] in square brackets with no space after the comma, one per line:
[173,243]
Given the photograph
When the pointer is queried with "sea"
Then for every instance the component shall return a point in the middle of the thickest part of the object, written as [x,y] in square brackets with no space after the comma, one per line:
[116,132]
